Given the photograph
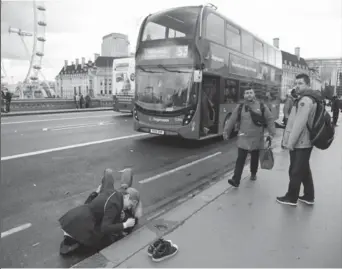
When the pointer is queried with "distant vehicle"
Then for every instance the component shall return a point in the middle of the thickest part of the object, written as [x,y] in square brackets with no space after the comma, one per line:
[123,84]
[192,63]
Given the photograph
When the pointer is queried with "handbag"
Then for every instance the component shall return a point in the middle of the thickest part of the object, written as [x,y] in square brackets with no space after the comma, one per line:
[266,158]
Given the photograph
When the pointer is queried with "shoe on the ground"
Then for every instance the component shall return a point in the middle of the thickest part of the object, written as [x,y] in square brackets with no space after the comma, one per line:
[233,183]
[164,251]
[68,245]
[306,200]
[286,201]
[155,245]
[253,177]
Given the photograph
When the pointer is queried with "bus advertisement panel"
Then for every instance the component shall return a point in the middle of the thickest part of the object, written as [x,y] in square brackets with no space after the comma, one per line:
[123,84]
[192,67]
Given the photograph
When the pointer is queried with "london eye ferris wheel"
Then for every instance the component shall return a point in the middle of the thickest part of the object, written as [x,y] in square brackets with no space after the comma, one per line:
[36,53]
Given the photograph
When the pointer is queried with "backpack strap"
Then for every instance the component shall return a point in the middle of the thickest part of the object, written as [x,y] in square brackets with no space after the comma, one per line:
[239,115]
[104,208]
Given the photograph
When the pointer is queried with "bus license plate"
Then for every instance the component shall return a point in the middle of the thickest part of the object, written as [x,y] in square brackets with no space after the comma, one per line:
[154,131]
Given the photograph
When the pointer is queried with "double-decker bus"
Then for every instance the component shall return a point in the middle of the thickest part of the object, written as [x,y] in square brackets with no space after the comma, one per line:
[123,84]
[192,67]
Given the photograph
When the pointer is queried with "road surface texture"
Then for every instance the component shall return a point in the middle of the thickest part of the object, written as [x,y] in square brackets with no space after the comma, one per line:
[246,227]
[50,163]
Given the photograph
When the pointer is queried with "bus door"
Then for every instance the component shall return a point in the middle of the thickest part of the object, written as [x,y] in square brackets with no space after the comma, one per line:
[229,99]
[210,105]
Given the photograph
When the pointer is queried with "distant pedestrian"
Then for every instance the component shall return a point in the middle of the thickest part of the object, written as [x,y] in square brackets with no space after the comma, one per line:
[296,138]
[87,101]
[290,98]
[252,117]
[77,100]
[335,109]
[8,101]
[81,101]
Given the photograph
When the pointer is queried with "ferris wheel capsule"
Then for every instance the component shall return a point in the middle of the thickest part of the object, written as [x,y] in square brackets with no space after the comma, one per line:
[37,67]
[40,54]
[42,39]
[42,23]
[41,8]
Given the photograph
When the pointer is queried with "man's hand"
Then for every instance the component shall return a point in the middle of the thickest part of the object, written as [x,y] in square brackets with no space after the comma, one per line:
[225,135]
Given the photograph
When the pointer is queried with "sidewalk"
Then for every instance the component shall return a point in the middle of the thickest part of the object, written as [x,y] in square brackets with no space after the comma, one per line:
[246,227]
[57,111]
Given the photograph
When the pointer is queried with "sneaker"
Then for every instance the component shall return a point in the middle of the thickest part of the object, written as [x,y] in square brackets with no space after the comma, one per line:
[306,200]
[253,177]
[155,245]
[286,201]
[233,183]
[164,251]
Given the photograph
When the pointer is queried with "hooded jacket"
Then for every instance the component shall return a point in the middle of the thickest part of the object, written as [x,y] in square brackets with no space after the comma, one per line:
[250,136]
[296,134]
[90,223]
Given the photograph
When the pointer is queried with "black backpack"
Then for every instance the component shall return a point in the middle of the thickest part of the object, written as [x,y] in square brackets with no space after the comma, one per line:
[322,131]
[258,120]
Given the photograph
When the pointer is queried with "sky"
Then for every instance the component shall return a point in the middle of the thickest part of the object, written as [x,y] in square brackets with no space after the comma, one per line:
[75,27]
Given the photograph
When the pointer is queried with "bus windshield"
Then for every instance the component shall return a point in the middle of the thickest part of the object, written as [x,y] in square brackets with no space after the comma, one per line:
[162,89]
[174,23]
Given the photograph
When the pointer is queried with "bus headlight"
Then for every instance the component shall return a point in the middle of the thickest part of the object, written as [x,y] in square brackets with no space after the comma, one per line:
[188,117]
[135,113]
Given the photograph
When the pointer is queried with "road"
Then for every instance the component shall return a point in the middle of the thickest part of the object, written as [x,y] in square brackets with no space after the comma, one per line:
[50,163]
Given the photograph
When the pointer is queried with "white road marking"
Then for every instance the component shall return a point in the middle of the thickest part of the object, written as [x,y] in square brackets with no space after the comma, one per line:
[16,229]
[178,168]
[75,118]
[66,127]
[17,156]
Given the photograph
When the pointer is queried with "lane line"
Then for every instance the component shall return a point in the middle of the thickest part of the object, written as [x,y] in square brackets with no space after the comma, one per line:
[84,126]
[39,152]
[32,121]
[66,127]
[16,229]
[178,168]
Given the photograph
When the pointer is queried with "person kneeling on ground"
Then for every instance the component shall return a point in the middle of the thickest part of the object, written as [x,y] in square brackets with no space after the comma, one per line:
[107,215]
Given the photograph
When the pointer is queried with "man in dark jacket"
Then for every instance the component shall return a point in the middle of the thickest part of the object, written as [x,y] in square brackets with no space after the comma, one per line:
[250,136]
[335,109]
[8,101]
[94,223]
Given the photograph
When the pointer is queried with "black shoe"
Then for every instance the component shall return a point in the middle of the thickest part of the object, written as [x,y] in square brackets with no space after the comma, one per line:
[286,201]
[253,177]
[151,248]
[164,251]
[68,245]
[233,183]
[306,200]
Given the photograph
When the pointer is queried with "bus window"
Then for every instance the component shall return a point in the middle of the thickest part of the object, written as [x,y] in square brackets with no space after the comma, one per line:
[178,22]
[215,28]
[244,86]
[260,91]
[230,94]
[233,38]
[258,50]
[154,31]
[247,43]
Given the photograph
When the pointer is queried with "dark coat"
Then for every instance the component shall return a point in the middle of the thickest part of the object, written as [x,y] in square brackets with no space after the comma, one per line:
[91,224]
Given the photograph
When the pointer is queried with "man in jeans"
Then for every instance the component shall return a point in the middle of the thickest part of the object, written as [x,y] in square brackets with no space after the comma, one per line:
[250,136]
[297,140]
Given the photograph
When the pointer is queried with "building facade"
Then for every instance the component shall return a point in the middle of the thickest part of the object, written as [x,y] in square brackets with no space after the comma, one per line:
[93,78]
[115,45]
[330,72]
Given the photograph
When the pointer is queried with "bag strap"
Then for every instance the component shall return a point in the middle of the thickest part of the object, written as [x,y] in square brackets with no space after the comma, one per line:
[104,208]
[239,114]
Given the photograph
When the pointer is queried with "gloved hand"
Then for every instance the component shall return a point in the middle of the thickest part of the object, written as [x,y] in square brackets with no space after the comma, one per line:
[269,140]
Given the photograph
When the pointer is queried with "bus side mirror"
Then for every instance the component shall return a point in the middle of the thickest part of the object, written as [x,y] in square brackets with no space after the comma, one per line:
[198,76]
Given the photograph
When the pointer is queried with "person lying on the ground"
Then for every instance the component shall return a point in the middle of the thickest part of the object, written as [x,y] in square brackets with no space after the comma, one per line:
[99,221]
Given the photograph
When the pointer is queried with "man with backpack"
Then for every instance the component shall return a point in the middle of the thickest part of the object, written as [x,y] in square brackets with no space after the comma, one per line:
[308,125]
[335,109]
[252,117]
